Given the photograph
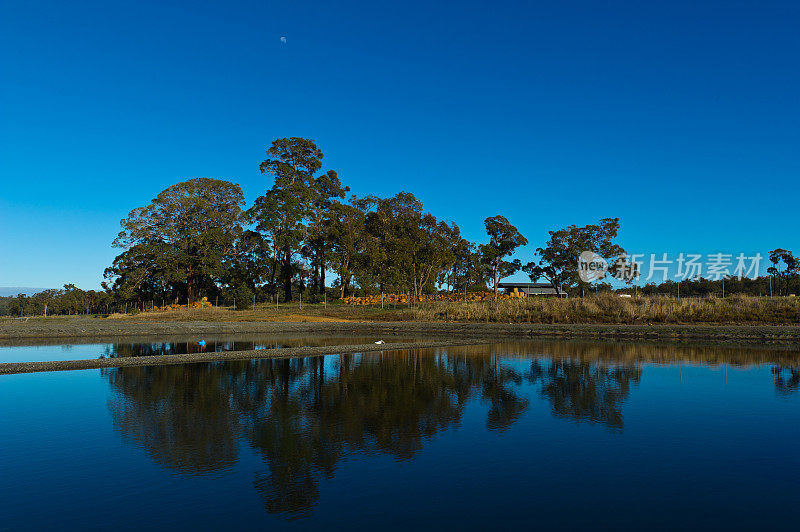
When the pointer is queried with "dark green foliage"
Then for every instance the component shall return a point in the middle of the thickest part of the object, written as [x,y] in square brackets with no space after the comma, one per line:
[559,258]
[241,296]
[784,267]
[181,244]
[351,246]
[191,240]
[69,301]
[504,239]
[294,215]
[410,246]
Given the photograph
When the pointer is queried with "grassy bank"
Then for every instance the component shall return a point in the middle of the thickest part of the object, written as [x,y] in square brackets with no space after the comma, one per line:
[285,312]
[65,330]
[612,309]
[593,309]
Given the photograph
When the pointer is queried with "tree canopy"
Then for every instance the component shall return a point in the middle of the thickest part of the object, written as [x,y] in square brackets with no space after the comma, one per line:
[504,239]
[558,259]
[295,209]
[784,267]
[181,241]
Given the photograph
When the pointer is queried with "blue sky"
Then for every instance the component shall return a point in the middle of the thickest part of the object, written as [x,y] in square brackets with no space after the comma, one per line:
[681,118]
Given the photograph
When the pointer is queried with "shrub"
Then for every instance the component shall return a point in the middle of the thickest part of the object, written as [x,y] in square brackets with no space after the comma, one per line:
[243,296]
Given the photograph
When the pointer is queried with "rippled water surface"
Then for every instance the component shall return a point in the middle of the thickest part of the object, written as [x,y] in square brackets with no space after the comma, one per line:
[518,434]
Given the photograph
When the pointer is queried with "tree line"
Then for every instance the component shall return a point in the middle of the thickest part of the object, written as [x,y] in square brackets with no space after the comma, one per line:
[67,301]
[198,238]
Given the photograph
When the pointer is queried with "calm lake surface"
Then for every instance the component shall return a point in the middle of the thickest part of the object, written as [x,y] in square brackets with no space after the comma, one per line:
[519,434]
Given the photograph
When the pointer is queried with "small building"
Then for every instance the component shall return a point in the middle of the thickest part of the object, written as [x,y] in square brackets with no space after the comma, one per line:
[531,289]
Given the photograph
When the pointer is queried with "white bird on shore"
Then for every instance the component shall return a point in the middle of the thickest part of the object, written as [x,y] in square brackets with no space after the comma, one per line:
[379,342]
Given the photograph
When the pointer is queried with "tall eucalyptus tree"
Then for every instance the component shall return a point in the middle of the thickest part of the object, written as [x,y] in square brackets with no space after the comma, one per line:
[295,209]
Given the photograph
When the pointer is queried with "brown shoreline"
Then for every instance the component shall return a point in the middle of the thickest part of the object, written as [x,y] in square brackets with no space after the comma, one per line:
[398,335]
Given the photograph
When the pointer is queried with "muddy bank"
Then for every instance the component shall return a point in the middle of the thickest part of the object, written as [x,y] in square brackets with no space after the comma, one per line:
[221,356]
[296,339]
[97,329]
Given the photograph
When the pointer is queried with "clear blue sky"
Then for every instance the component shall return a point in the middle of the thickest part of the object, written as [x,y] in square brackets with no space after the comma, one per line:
[681,118]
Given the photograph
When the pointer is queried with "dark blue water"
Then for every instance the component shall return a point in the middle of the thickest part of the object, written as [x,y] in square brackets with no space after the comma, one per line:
[525,434]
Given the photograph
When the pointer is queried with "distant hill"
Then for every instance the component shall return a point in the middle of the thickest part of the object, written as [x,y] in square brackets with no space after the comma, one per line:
[14,290]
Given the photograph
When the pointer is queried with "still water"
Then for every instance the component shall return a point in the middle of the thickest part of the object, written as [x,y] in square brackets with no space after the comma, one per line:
[519,434]
[26,351]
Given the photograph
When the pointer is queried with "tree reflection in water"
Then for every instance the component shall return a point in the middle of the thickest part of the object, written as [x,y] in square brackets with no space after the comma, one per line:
[787,379]
[178,414]
[582,391]
[304,416]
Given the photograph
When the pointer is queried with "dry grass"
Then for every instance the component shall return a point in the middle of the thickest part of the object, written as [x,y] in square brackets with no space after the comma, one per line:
[593,309]
[292,312]
[610,308]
